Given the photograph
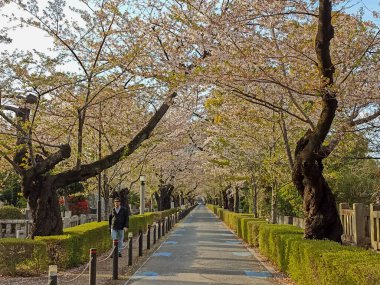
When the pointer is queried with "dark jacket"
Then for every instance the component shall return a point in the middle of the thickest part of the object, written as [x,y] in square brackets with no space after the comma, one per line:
[119,221]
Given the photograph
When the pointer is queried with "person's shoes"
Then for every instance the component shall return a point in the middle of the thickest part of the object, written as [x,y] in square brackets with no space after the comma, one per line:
[119,254]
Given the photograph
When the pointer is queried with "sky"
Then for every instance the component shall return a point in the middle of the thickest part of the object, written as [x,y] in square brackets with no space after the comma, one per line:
[31,38]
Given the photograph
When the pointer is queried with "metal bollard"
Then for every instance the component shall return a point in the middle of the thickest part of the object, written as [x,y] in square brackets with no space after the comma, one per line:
[140,243]
[163,228]
[154,233]
[159,229]
[52,275]
[130,240]
[148,238]
[115,263]
[92,278]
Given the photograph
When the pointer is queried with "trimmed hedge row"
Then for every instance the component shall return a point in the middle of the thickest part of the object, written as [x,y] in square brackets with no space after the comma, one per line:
[72,248]
[29,257]
[22,257]
[308,262]
[236,221]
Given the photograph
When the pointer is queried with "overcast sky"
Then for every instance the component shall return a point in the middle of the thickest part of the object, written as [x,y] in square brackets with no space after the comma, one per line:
[29,38]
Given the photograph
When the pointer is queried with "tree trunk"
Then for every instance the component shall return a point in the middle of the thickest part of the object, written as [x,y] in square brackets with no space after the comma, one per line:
[176,200]
[106,195]
[273,208]
[44,205]
[163,195]
[322,219]
[225,198]
[254,202]
[321,214]
[236,200]
[40,184]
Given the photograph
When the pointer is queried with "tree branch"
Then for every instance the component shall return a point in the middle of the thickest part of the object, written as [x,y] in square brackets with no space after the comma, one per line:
[90,170]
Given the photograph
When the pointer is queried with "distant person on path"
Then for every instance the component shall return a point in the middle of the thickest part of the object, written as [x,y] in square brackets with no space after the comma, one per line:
[118,221]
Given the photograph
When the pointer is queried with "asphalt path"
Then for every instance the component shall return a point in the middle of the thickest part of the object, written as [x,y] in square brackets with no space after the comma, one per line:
[202,250]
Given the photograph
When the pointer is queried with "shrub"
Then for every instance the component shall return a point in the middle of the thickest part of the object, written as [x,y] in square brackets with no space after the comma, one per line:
[310,262]
[213,208]
[72,248]
[270,241]
[244,229]
[22,257]
[78,204]
[10,212]
[253,231]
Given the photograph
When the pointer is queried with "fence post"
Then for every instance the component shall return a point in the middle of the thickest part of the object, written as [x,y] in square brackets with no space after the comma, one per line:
[359,223]
[159,229]
[140,242]
[92,277]
[154,233]
[163,228]
[130,245]
[115,263]
[53,275]
[375,226]
[148,238]
[344,219]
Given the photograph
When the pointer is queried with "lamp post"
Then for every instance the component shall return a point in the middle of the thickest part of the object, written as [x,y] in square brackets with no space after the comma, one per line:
[142,194]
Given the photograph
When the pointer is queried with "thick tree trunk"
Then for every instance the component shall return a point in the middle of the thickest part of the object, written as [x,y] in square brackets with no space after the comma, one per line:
[163,196]
[321,214]
[44,205]
[176,199]
[39,185]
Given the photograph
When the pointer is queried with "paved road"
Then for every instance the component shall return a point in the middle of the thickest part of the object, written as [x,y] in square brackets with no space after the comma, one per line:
[201,250]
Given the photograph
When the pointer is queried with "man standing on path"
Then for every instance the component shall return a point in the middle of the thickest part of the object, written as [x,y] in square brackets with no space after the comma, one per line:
[118,220]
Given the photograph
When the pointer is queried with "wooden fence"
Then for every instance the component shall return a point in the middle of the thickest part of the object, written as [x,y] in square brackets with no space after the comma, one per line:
[361,224]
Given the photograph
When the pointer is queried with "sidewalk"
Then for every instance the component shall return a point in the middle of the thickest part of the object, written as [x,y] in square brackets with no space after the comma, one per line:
[202,250]
[80,275]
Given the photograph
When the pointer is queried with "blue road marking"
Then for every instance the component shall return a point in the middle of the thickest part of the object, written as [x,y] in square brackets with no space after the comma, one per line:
[166,254]
[241,253]
[262,274]
[146,273]
[170,242]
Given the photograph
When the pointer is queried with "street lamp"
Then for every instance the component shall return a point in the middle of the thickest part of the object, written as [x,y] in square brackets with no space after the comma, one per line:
[142,194]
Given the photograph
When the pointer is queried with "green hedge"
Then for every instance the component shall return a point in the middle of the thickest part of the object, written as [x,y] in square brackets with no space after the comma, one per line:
[73,247]
[253,228]
[308,262]
[213,208]
[244,229]
[10,212]
[22,257]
